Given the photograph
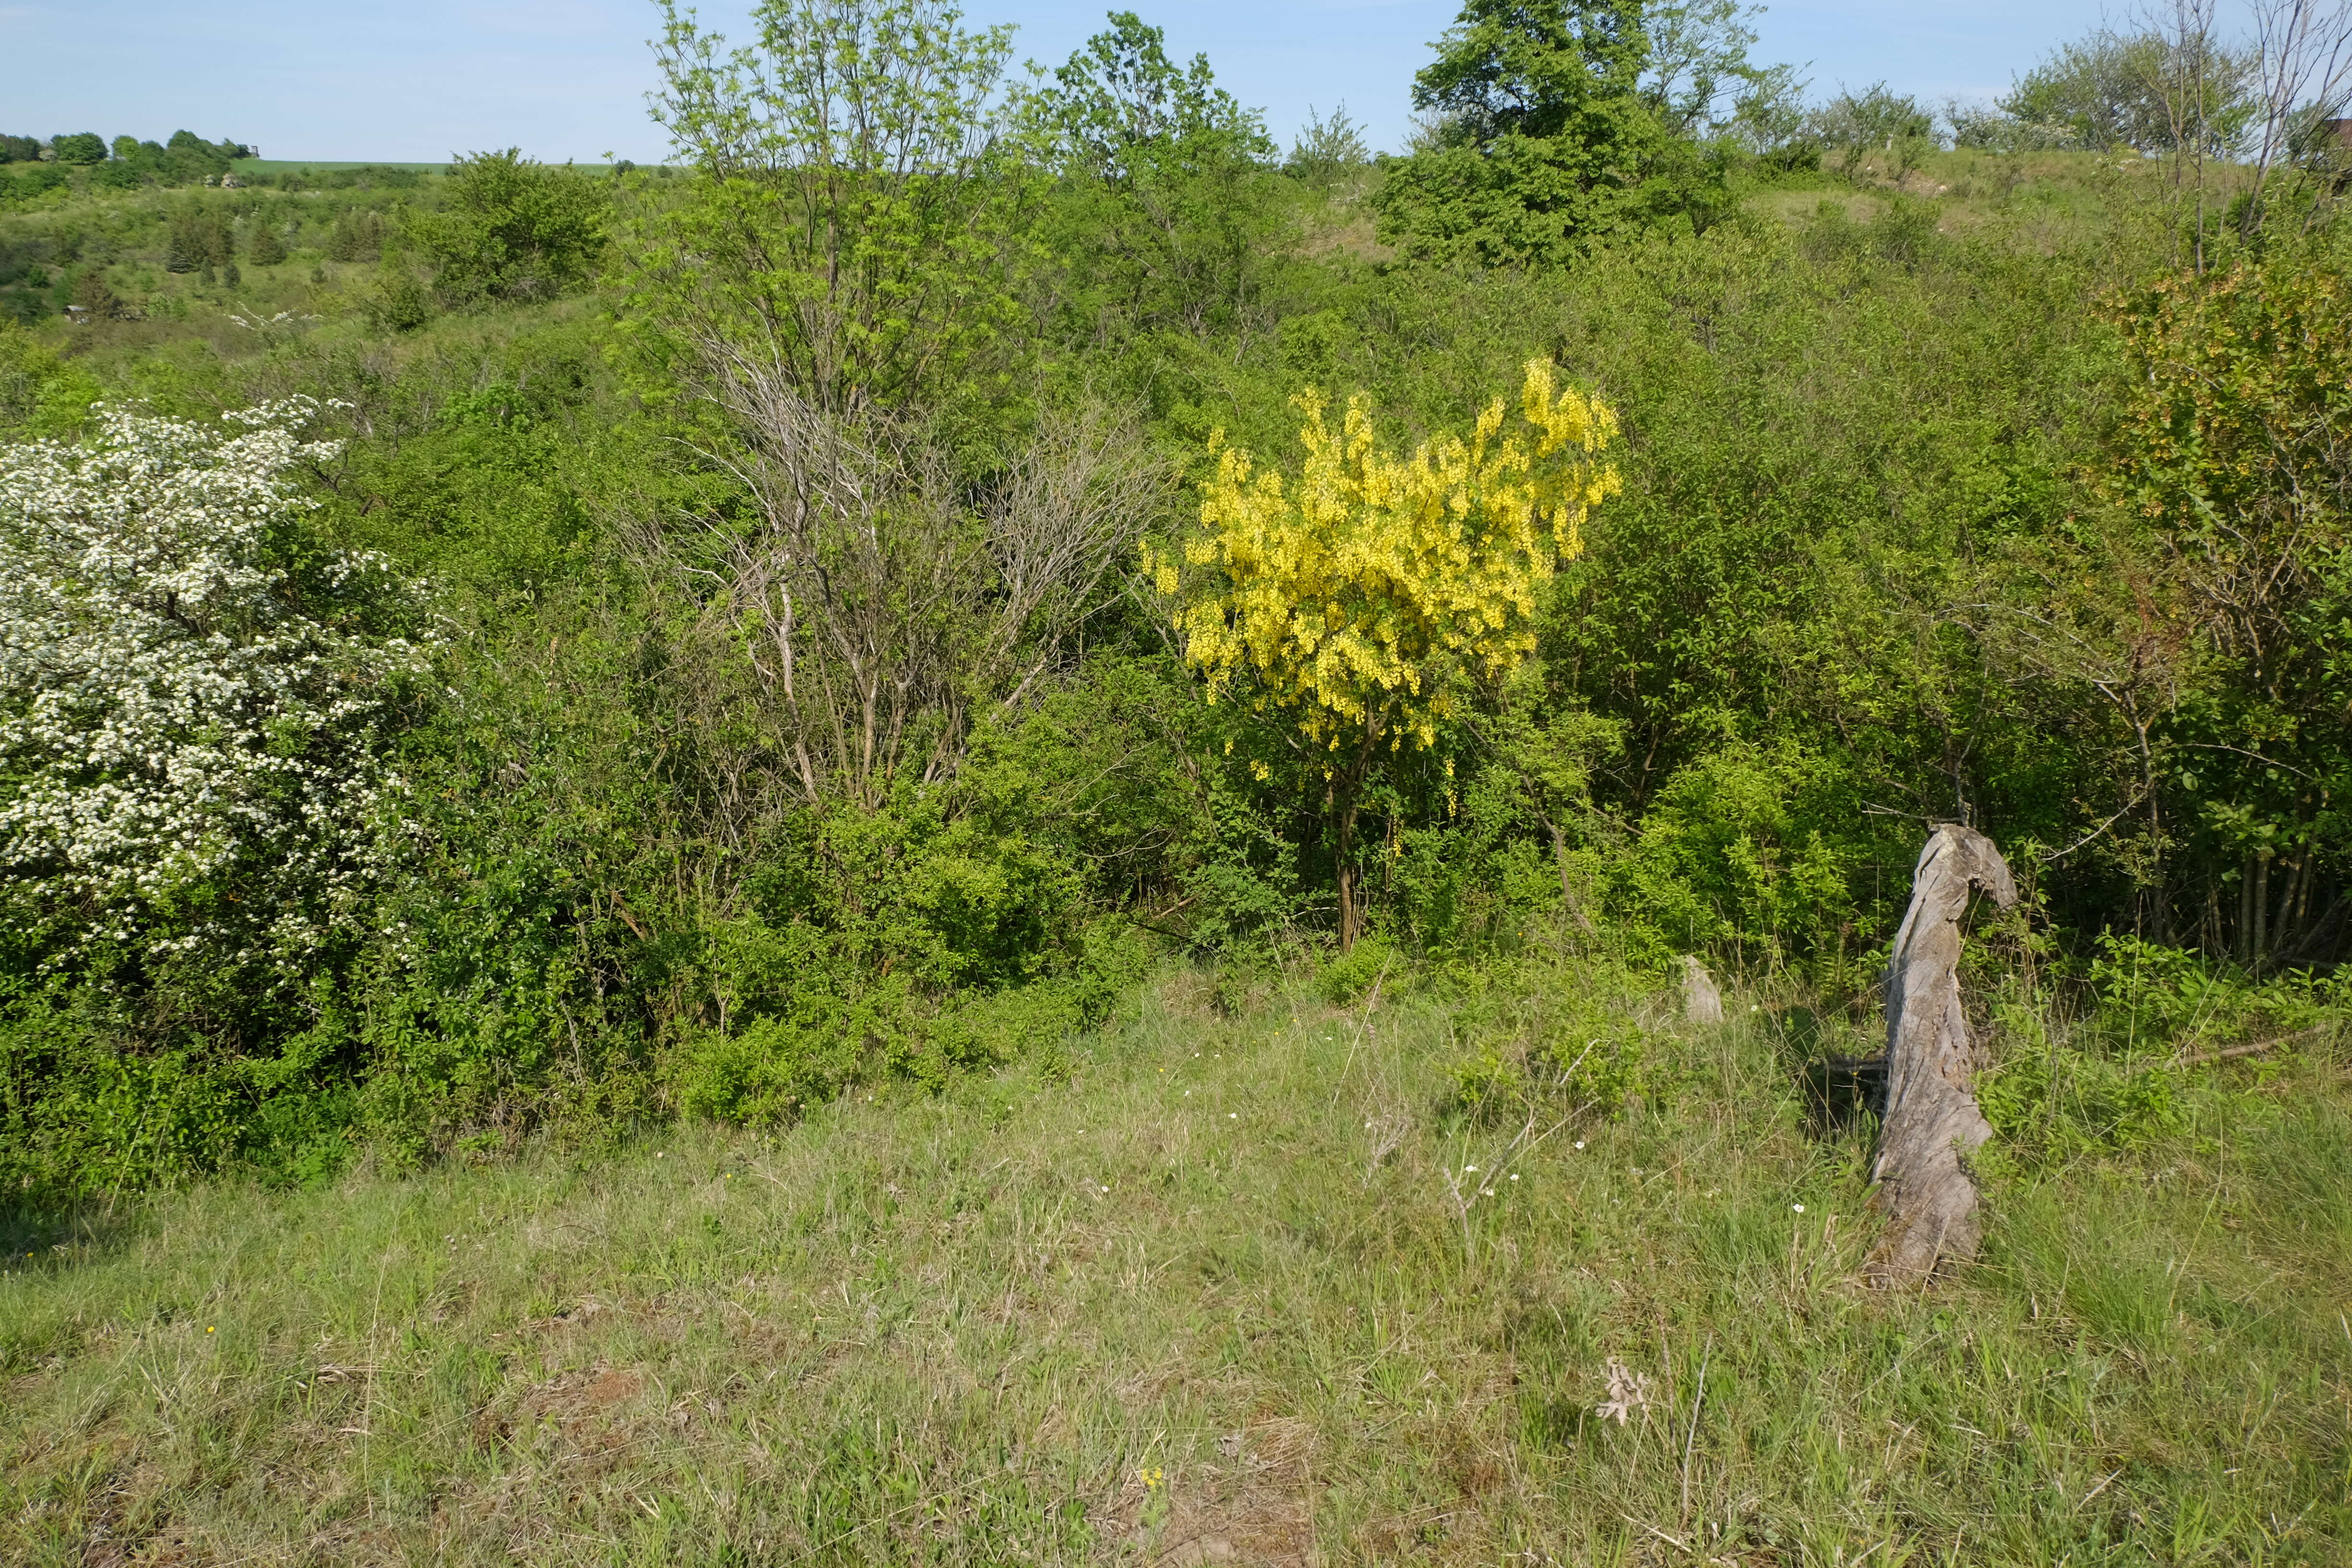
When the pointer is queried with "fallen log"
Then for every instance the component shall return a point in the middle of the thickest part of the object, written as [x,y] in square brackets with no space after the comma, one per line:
[2251,1048]
[1932,1122]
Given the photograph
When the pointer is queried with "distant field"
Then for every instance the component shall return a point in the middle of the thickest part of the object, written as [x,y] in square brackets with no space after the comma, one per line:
[285,165]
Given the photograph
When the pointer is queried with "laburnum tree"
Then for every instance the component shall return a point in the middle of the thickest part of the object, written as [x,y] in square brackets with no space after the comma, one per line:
[1361,598]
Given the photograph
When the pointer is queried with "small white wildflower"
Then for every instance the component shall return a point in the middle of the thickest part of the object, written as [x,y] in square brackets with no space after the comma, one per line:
[1580,1142]
[1796,1208]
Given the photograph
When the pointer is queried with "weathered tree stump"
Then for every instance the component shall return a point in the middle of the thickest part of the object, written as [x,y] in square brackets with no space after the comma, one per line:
[1702,1001]
[1932,1121]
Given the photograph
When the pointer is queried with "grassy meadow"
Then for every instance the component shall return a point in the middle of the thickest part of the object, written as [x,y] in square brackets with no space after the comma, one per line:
[1243,1277]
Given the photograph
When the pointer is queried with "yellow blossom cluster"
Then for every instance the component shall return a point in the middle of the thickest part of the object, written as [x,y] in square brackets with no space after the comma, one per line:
[1354,594]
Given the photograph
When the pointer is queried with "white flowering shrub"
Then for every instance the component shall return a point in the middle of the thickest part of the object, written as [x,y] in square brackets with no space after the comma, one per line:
[193,696]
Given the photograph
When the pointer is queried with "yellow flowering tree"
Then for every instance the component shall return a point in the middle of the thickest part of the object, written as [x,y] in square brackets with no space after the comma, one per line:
[1359,597]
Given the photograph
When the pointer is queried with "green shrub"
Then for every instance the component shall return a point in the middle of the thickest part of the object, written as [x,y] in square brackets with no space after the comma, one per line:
[1344,978]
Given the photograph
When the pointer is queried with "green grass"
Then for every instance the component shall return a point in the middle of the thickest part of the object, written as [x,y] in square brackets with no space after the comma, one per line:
[1229,1253]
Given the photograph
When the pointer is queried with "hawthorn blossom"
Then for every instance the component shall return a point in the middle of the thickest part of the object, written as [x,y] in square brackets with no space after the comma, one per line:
[189,711]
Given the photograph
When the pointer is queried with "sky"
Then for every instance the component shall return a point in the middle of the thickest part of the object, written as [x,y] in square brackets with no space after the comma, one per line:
[418,79]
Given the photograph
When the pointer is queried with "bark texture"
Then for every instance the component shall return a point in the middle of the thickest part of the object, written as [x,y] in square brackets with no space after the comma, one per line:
[1932,1120]
[1702,1001]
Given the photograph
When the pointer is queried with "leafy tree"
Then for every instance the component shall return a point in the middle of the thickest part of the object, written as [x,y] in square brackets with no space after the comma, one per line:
[1876,120]
[199,239]
[357,235]
[2234,455]
[853,207]
[99,302]
[20,148]
[126,147]
[1545,139]
[1169,215]
[400,301]
[1768,120]
[1361,598]
[268,246]
[1697,77]
[82,147]
[2141,91]
[514,228]
[40,394]
[224,151]
[1326,151]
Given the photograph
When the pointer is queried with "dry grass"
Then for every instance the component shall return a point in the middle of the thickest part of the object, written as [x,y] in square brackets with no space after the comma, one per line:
[1229,1252]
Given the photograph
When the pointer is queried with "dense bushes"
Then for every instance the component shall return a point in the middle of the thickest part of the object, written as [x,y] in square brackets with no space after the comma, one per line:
[797,714]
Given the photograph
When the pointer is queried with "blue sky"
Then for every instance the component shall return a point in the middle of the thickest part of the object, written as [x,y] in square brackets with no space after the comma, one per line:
[566,78]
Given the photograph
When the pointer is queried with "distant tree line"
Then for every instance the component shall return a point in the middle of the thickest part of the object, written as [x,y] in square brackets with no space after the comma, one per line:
[186,158]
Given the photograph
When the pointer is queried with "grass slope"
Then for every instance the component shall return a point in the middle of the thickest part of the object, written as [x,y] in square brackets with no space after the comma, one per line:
[1206,1289]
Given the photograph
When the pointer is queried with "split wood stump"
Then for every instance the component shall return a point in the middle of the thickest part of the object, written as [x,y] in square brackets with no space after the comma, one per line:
[1701,998]
[1932,1121]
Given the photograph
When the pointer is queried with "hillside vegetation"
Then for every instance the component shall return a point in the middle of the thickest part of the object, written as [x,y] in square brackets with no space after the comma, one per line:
[964,831]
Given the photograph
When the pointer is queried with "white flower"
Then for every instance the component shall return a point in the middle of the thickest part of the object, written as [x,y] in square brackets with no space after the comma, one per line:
[1796,1208]
[175,705]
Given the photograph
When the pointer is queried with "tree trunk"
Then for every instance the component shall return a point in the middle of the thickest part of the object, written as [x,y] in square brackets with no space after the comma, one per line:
[1566,888]
[1346,869]
[1932,1119]
[1347,789]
